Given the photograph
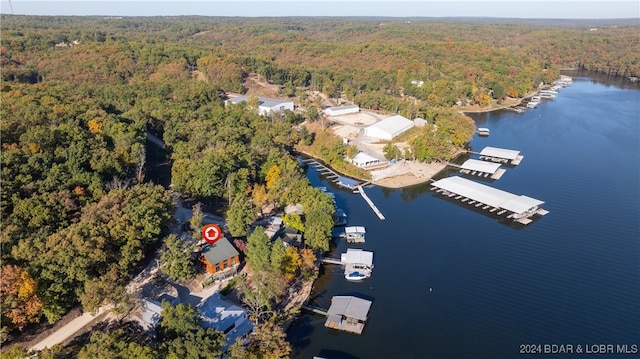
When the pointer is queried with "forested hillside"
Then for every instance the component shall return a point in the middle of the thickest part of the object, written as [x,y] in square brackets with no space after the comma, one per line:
[80,93]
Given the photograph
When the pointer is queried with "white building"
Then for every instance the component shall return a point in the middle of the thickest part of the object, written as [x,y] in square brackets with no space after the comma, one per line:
[362,159]
[267,105]
[342,110]
[220,314]
[389,128]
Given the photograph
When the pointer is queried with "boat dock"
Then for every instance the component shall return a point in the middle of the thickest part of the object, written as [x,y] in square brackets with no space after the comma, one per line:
[358,264]
[371,204]
[516,208]
[348,313]
[500,155]
[354,234]
[481,169]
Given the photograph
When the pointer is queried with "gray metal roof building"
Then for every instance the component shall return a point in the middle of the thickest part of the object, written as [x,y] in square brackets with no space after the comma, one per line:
[521,206]
[219,251]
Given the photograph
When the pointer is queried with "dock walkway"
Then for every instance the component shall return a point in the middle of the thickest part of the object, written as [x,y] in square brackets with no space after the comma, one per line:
[371,204]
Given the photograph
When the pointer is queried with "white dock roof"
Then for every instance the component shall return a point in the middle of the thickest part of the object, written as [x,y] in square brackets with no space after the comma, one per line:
[482,166]
[349,306]
[487,195]
[500,153]
[357,256]
[354,229]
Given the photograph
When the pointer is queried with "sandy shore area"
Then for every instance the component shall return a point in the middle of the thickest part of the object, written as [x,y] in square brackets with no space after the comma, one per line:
[406,173]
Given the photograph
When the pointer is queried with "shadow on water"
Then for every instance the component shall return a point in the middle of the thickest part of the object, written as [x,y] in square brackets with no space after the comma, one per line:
[336,354]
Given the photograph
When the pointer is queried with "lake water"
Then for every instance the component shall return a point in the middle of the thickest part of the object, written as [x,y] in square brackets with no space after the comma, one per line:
[570,278]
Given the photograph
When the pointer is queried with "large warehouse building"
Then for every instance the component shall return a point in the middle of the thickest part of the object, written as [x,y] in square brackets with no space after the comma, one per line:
[389,128]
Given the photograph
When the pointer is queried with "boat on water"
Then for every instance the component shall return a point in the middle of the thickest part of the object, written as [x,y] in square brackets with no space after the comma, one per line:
[358,264]
[355,275]
[483,131]
[340,218]
[533,104]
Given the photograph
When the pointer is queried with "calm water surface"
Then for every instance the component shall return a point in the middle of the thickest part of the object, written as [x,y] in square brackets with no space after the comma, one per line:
[572,277]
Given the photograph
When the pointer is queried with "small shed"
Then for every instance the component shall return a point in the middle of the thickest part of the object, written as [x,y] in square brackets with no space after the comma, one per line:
[348,313]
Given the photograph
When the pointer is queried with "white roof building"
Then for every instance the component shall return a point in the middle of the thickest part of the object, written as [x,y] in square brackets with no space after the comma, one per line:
[220,314]
[342,110]
[389,128]
[267,105]
[362,159]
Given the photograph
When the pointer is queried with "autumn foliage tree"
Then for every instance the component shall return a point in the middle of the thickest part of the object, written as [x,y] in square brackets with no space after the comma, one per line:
[20,304]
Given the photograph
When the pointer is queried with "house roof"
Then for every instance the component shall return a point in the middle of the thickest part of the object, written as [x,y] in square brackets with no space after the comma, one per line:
[362,157]
[219,251]
[297,208]
[225,316]
[349,306]
[338,108]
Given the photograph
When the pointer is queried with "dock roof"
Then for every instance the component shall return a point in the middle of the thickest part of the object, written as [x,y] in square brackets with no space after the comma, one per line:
[499,153]
[349,306]
[357,256]
[482,166]
[354,229]
[488,195]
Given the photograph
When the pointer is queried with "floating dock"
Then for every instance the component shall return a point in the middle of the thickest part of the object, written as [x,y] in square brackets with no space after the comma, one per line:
[517,208]
[501,155]
[371,204]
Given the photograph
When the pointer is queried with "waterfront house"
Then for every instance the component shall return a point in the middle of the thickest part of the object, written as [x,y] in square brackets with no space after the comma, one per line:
[223,315]
[220,257]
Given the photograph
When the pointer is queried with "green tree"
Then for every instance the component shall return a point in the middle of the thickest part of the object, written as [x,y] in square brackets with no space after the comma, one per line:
[258,250]
[117,344]
[201,343]
[277,255]
[294,221]
[179,320]
[195,221]
[268,341]
[176,258]
[240,216]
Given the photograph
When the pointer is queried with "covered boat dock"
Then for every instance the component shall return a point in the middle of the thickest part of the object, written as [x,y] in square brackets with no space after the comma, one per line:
[482,169]
[355,234]
[501,155]
[346,182]
[517,208]
[348,313]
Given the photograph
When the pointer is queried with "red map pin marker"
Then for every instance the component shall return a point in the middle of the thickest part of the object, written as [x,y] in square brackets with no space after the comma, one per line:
[211,233]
